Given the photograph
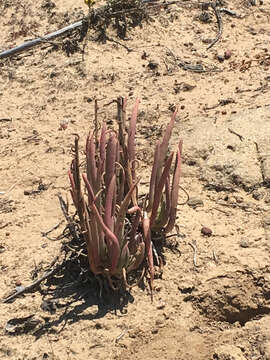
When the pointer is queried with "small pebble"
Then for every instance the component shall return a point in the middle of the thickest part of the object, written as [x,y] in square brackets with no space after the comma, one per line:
[18,282]
[161,305]
[227,54]
[220,58]
[244,244]
[152,65]
[154,331]
[194,203]
[186,288]
[63,125]
[238,198]
[98,326]
[258,195]
[144,55]
[166,315]
[206,231]
[19,288]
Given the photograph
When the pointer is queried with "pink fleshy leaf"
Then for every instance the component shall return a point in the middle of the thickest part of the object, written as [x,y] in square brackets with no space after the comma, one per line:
[108,214]
[114,249]
[166,138]
[159,189]
[148,247]
[164,146]
[110,160]
[175,189]
[91,162]
[102,156]
[154,176]
[123,211]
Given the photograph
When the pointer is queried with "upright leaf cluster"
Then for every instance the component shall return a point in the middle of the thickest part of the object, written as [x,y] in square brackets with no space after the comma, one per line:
[116,224]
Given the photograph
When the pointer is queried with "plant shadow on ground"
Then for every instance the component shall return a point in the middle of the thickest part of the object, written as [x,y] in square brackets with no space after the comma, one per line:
[75,289]
[69,295]
[74,293]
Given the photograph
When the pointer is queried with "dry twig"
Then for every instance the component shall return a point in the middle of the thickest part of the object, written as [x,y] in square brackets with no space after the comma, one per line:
[30,287]
[220,25]
[194,247]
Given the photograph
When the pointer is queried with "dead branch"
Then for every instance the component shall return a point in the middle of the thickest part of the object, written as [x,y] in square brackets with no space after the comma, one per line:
[235,133]
[32,43]
[30,287]
[92,17]
[220,26]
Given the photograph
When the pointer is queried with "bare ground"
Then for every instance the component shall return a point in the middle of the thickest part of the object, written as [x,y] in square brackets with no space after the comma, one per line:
[212,306]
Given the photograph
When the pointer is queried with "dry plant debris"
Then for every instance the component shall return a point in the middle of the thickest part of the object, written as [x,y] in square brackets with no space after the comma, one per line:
[120,16]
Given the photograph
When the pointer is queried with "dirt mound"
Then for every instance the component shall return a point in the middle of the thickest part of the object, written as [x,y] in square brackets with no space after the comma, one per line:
[239,296]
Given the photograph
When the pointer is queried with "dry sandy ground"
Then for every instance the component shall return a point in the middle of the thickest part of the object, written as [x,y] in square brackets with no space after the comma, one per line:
[218,309]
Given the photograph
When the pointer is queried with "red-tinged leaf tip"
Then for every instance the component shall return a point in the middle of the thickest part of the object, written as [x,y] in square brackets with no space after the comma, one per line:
[166,137]
[175,190]
[91,161]
[164,209]
[159,188]
[176,179]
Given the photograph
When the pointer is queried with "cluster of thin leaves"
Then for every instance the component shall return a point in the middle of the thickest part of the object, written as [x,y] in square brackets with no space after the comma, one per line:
[116,223]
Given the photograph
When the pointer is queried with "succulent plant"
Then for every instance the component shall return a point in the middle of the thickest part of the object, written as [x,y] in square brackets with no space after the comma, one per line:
[115,222]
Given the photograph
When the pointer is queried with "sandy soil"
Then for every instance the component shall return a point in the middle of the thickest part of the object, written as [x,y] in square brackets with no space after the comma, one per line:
[212,306]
